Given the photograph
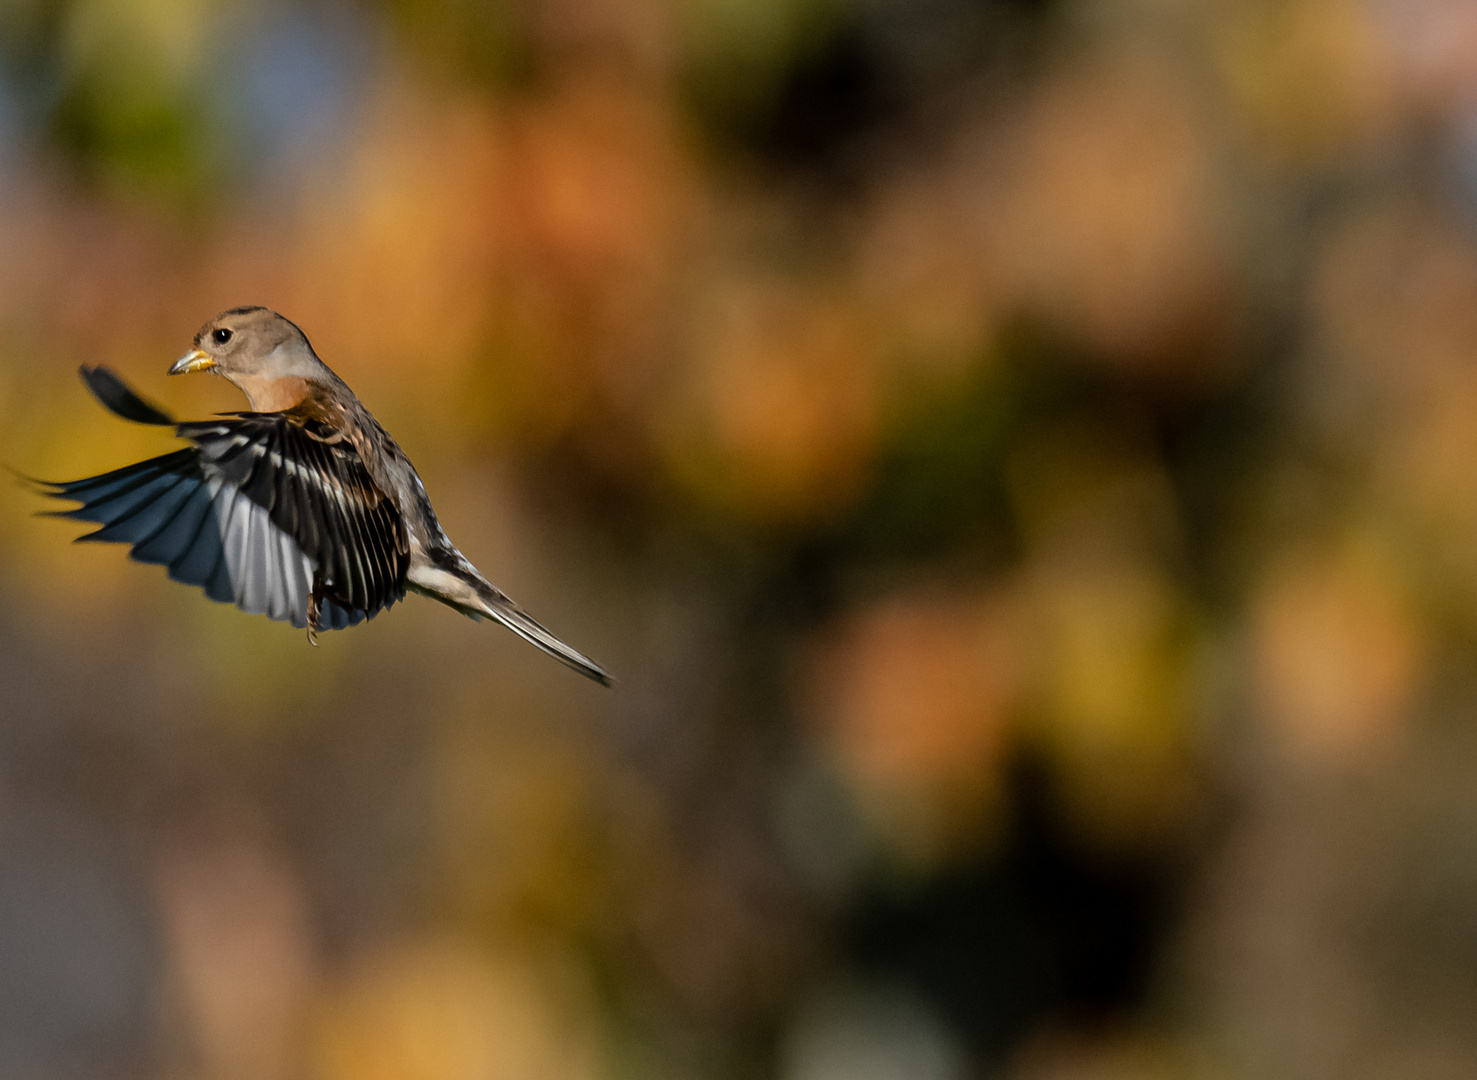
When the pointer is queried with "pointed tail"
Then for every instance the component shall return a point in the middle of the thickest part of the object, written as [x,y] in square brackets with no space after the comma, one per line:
[462,587]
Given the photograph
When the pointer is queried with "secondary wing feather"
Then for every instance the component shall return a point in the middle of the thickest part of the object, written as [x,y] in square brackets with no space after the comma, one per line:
[317,492]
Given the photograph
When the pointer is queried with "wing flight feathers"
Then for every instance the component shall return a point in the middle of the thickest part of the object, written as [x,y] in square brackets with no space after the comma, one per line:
[257,512]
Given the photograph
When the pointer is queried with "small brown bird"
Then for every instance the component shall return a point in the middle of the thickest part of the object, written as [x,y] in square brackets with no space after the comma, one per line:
[302,509]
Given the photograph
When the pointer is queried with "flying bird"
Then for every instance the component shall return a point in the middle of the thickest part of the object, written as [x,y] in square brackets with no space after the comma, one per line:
[302,509]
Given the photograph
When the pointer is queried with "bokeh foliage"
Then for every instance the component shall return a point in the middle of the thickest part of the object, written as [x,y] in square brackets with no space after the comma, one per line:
[1016,457]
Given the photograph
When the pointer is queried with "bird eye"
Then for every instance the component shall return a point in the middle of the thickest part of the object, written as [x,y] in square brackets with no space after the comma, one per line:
[221,336]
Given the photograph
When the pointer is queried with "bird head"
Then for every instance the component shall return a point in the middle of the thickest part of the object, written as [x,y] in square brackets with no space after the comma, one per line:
[250,343]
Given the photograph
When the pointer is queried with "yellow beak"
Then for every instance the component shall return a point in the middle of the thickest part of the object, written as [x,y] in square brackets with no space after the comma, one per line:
[194,360]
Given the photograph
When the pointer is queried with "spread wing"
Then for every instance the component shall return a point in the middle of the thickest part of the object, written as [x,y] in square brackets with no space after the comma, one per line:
[314,488]
[259,512]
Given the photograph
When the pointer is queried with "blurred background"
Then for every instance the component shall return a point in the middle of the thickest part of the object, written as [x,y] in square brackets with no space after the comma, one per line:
[1018,457]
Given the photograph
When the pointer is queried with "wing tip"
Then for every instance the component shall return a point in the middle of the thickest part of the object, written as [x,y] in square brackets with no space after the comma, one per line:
[29,482]
[120,399]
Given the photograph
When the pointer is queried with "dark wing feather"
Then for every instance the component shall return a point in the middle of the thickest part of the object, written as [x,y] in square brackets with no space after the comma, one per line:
[317,492]
[259,513]
[114,393]
[205,531]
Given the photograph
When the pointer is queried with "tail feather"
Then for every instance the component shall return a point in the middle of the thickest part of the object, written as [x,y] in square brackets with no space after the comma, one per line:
[462,587]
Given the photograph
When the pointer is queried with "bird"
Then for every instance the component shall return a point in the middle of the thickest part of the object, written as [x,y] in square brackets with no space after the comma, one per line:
[302,508]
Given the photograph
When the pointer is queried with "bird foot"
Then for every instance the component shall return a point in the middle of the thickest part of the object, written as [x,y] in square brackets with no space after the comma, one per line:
[315,607]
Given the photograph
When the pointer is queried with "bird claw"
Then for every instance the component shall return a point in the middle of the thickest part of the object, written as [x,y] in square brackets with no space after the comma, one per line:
[315,606]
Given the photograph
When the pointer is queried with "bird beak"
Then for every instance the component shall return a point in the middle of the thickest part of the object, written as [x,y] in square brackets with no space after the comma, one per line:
[194,360]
